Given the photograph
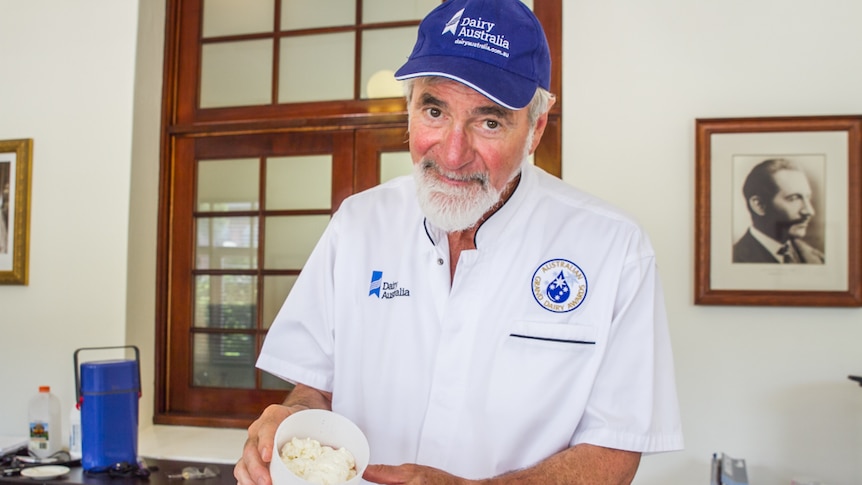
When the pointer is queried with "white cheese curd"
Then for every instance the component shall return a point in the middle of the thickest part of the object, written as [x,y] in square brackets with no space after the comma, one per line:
[317,463]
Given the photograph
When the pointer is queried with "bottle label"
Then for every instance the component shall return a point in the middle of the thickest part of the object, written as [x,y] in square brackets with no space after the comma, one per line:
[39,435]
[75,437]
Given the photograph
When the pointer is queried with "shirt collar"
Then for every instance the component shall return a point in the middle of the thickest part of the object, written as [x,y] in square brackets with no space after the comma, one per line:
[771,244]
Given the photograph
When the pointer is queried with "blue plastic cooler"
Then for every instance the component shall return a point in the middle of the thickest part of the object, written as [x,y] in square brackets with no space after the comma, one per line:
[108,394]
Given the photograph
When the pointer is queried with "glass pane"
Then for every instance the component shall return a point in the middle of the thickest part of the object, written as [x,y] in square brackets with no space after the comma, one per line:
[290,239]
[225,301]
[303,77]
[236,73]
[305,14]
[226,243]
[228,185]
[395,164]
[229,17]
[224,360]
[299,182]
[275,290]
[389,11]
[269,381]
[383,52]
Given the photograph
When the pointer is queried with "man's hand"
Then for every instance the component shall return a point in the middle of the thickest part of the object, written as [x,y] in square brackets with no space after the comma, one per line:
[582,464]
[410,475]
[253,467]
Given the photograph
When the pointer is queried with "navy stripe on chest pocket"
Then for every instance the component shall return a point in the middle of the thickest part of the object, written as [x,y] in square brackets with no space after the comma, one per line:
[564,333]
[549,339]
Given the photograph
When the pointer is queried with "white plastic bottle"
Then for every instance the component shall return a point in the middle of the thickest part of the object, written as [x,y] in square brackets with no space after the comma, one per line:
[75,433]
[46,430]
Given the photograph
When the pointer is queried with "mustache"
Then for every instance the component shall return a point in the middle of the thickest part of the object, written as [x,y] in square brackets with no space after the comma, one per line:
[786,226]
[794,222]
[429,165]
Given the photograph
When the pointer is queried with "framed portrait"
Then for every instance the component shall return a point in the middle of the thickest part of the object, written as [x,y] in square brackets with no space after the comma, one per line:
[15,170]
[777,211]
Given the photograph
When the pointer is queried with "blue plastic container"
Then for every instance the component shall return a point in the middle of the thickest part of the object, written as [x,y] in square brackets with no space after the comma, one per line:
[109,394]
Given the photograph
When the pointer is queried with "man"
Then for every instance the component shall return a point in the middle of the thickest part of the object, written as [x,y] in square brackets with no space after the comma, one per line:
[4,235]
[778,198]
[481,319]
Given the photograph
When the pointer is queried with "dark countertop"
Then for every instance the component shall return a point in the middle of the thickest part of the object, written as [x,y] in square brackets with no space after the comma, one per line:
[159,471]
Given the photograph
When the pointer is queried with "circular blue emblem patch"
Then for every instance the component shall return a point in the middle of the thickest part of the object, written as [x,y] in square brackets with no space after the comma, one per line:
[559,285]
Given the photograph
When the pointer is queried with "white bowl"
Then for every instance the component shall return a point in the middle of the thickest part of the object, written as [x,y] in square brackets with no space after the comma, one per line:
[329,429]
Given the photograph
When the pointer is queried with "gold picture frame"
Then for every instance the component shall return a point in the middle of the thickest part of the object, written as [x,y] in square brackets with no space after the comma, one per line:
[15,170]
[827,150]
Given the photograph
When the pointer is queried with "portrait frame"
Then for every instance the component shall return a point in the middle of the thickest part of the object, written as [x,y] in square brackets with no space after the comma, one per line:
[828,149]
[15,172]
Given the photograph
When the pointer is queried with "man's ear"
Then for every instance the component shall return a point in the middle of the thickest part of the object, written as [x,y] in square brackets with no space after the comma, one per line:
[756,205]
[541,124]
[538,131]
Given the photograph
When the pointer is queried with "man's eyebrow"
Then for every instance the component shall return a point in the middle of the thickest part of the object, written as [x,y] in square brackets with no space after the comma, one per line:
[495,111]
[428,99]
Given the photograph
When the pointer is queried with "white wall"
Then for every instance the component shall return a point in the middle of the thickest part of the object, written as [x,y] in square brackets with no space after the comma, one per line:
[67,83]
[766,384]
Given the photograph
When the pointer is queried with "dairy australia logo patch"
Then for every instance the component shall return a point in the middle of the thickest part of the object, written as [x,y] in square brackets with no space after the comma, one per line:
[477,33]
[559,286]
[385,289]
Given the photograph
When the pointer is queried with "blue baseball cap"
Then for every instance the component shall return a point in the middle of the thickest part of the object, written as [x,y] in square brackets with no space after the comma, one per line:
[497,47]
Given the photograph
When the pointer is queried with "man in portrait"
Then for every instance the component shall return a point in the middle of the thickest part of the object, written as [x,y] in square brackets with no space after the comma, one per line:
[4,208]
[778,198]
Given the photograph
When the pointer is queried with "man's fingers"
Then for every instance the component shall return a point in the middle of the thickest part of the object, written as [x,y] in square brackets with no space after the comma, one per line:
[263,430]
[257,453]
[240,472]
[254,468]
[385,474]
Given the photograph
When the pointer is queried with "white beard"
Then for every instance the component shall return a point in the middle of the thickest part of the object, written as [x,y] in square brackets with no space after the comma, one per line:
[453,208]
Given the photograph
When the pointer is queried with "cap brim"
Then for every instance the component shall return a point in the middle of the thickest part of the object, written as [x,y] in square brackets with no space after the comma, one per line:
[499,85]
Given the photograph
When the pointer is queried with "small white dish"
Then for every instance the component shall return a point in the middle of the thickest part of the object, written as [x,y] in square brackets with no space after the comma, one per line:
[47,471]
[329,429]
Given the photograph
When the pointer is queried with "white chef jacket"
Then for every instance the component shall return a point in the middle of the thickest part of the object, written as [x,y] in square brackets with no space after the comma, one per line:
[552,333]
